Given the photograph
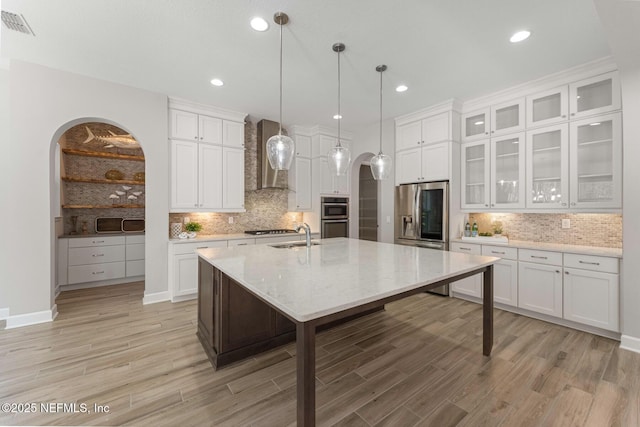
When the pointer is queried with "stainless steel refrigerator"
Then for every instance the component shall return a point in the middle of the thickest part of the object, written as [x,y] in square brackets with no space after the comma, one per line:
[422,217]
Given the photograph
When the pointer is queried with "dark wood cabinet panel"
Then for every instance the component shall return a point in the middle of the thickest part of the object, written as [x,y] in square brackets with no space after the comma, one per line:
[206,306]
[283,325]
[244,318]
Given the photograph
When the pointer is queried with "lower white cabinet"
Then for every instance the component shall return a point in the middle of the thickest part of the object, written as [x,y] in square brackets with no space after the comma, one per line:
[185,271]
[592,298]
[540,288]
[505,274]
[471,286]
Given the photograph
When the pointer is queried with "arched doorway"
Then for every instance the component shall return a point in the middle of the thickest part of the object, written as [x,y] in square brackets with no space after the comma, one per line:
[98,179]
[365,200]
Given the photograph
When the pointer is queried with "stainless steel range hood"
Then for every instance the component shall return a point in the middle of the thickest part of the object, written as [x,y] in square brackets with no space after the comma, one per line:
[267,176]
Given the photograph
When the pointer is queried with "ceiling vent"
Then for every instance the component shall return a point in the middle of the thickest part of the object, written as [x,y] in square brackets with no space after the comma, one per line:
[16,23]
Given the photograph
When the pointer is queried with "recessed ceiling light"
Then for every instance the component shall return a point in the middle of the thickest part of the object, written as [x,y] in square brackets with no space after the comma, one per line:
[479,123]
[259,24]
[337,116]
[217,82]
[519,36]
[401,88]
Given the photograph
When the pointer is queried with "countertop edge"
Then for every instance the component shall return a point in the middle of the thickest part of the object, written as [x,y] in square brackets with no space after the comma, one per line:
[554,247]
[235,236]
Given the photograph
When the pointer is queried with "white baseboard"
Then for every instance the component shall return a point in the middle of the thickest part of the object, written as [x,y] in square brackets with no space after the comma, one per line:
[4,313]
[184,297]
[156,297]
[27,319]
[630,343]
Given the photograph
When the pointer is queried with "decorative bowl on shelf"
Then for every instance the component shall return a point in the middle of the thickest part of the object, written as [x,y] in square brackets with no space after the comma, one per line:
[138,176]
[114,174]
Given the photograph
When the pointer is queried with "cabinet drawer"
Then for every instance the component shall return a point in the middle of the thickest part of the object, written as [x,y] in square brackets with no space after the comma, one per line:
[134,239]
[189,248]
[98,255]
[540,257]
[96,272]
[466,248]
[85,242]
[591,262]
[135,268]
[241,242]
[500,251]
[135,252]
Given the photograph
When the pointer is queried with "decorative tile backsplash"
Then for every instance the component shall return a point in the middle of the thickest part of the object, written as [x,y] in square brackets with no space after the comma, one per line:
[265,209]
[603,230]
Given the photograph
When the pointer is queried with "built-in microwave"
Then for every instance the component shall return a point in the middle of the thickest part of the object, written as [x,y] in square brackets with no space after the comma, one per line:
[335,208]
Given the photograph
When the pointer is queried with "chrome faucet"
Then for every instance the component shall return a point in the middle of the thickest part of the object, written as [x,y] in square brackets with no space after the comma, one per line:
[307,232]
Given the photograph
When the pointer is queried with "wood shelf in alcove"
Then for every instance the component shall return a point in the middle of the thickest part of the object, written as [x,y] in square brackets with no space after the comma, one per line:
[101,181]
[102,155]
[125,206]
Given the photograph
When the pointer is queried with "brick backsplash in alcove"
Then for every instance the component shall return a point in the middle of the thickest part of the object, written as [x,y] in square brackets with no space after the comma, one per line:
[603,230]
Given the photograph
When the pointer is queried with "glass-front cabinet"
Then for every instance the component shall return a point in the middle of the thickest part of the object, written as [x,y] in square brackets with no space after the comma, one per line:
[475,175]
[596,162]
[507,171]
[507,117]
[475,125]
[547,171]
[548,107]
[596,95]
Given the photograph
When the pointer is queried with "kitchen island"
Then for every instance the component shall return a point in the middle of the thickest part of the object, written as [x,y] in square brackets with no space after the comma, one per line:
[314,286]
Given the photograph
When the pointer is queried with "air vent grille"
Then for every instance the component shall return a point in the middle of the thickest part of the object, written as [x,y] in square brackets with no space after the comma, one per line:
[16,22]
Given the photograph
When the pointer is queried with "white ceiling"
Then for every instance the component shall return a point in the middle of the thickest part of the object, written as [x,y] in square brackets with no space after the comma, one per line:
[441,49]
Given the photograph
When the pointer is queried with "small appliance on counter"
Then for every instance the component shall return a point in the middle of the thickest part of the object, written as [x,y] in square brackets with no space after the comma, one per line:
[119,225]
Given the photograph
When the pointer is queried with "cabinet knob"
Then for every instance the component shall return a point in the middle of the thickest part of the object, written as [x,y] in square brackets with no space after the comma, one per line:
[195,204]
[573,114]
[573,203]
[566,272]
[492,205]
[557,271]
[493,131]
[201,138]
[564,204]
[486,133]
[418,142]
[486,206]
[195,137]
[564,116]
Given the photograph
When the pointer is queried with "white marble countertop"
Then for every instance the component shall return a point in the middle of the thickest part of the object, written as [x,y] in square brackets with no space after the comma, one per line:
[120,233]
[237,236]
[556,247]
[340,273]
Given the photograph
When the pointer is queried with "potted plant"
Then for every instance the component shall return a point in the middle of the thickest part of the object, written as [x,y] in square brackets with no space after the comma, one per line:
[497,228]
[192,228]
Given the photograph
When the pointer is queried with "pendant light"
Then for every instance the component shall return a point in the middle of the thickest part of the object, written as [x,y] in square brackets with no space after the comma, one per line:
[339,157]
[381,164]
[280,148]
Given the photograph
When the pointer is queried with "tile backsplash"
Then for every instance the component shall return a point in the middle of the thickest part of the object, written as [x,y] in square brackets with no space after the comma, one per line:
[603,230]
[265,209]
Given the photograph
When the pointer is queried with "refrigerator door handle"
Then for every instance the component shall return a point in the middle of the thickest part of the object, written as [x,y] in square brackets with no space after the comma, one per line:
[417,219]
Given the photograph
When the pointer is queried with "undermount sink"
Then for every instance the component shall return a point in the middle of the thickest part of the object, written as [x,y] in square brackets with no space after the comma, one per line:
[293,245]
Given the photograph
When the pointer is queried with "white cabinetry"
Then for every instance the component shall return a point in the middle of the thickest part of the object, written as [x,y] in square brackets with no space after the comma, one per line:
[423,149]
[329,182]
[540,281]
[300,175]
[475,174]
[547,107]
[595,95]
[207,159]
[471,286]
[507,182]
[499,119]
[134,256]
[591,293]
[547,168]
[505,274]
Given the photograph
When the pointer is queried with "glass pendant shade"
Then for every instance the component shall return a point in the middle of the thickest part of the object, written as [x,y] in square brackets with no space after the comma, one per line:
[280,150]
[339,158]
[381,166]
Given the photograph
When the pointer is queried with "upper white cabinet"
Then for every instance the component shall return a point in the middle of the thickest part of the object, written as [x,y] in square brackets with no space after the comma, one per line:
[195,127]
[595,95]
[207,159]
[596,162]
[300,175]
[507,117]
[547,167]
[547,107]
[475,125]
[475,174]
[423,149]
[329,182]
[507,171]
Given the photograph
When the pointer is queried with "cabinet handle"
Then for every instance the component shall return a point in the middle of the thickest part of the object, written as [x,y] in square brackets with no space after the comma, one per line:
[496,252]
[589,263]
[96,255]
[201,247]
[98,272]
[486,206]
[564,204]
[573,203]
[242,244]
[97,241]
[558,271]
[564,116]
[538,257]
[465,249]
[566,272]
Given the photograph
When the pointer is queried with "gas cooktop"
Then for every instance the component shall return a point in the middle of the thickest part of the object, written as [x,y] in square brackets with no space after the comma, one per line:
[276,231]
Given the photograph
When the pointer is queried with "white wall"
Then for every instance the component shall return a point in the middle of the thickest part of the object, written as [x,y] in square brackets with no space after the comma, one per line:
[621,20]
[44,103]
[4,183]
[368,141]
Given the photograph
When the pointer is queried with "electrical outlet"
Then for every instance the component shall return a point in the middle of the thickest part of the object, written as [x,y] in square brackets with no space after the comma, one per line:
[566,223]
[186,219]
[230,220]
[388,219]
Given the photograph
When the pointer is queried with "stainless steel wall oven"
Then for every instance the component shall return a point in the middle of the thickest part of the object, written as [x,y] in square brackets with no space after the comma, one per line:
[334,221]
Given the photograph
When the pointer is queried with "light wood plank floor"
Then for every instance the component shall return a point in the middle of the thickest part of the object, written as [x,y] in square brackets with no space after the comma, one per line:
[418,363]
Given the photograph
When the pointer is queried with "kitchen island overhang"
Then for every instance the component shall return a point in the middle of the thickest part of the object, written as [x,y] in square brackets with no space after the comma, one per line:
[337,279]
